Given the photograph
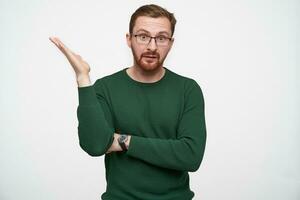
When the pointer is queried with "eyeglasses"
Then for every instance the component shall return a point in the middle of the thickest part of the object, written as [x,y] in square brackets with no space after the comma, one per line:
[145,39]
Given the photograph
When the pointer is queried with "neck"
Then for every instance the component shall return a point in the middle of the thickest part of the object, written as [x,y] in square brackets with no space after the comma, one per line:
[138,74]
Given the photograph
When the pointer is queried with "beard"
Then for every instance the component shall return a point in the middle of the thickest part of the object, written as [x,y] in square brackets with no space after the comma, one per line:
[149,61]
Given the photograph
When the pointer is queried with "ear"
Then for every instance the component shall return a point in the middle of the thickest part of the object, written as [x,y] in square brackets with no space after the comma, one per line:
[172,41]
[128,40]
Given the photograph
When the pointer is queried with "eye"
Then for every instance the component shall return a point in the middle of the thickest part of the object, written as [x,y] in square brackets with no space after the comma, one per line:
[143,36]
[161,38]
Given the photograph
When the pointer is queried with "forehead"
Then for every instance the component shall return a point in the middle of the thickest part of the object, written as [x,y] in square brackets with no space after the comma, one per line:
[152,25]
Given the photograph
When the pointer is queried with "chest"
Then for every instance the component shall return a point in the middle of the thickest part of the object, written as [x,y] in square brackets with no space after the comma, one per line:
[148,113]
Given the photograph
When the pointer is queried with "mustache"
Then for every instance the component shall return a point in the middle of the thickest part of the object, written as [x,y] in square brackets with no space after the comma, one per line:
[151,54]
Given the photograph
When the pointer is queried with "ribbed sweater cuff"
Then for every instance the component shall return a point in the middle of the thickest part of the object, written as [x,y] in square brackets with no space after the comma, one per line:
[136,146]
[87,96]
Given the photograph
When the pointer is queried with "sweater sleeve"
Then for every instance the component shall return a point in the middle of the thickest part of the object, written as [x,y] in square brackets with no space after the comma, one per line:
[95,127]
[185,153]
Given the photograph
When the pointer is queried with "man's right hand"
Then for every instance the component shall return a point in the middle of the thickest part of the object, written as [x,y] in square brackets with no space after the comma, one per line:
[80,66]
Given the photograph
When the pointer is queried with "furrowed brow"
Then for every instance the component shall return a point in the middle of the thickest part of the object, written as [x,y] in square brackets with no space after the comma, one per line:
[161,32]
[142,30]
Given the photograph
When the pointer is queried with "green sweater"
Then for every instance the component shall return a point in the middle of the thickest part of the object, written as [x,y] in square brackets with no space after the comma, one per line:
[168,134]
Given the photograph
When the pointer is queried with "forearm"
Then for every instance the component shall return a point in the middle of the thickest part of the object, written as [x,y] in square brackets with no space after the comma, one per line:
[183,154]
[115,145]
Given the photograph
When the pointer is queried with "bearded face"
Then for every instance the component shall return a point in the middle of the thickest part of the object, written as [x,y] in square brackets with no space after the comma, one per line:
[148,61]
[150,57]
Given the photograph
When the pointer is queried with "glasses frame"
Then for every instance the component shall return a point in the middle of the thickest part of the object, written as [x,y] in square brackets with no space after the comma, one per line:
[155,37]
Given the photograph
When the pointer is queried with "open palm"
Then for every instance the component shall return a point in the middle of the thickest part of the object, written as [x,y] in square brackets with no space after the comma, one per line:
[80,66]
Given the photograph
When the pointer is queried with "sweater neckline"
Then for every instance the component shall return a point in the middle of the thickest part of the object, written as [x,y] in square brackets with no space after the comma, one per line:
[144,84]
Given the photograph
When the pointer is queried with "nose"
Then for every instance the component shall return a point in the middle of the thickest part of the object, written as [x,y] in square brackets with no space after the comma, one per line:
[152,45]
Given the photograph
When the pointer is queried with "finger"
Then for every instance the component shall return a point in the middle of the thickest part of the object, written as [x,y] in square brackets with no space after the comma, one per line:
[64,49]
[60,44]
[53,40]
[73,58]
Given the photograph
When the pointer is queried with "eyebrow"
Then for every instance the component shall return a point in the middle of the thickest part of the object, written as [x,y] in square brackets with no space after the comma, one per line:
[149,32]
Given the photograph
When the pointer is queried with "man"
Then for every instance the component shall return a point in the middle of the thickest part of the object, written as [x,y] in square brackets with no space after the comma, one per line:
[147,120]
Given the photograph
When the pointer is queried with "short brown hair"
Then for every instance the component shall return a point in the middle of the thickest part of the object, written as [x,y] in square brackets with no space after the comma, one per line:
[154,11]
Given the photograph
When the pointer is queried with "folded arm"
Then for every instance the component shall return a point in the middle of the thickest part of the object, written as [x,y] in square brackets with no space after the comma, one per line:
[95,126]
[184,153]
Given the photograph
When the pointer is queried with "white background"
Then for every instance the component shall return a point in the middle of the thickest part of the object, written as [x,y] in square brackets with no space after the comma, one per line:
[243,54]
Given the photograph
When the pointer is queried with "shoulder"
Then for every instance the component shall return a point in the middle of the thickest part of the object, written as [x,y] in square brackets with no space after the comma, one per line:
[192,90]
[188,83]
[107,79]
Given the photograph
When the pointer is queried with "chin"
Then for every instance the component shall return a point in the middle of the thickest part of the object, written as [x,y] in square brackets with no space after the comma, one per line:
[149,66]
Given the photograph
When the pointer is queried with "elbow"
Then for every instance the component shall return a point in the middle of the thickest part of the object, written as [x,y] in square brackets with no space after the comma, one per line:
[94,145]
[194,166]
[193,157]
[195,161]
[197,155]
[93,151]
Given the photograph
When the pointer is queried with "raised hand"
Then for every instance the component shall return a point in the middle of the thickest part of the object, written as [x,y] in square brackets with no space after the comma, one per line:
[81,67]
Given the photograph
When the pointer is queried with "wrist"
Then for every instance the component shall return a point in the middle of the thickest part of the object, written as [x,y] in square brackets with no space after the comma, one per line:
[116,143]
[127,142]
[83,80]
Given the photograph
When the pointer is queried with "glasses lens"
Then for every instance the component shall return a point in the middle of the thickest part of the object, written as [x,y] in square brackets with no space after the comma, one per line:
[162,40]
[143,39]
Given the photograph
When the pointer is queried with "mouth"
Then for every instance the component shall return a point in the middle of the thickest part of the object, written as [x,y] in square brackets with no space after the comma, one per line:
[150,56]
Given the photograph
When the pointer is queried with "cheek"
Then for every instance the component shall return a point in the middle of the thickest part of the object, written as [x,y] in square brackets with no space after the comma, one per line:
[138,51]
[164,52]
